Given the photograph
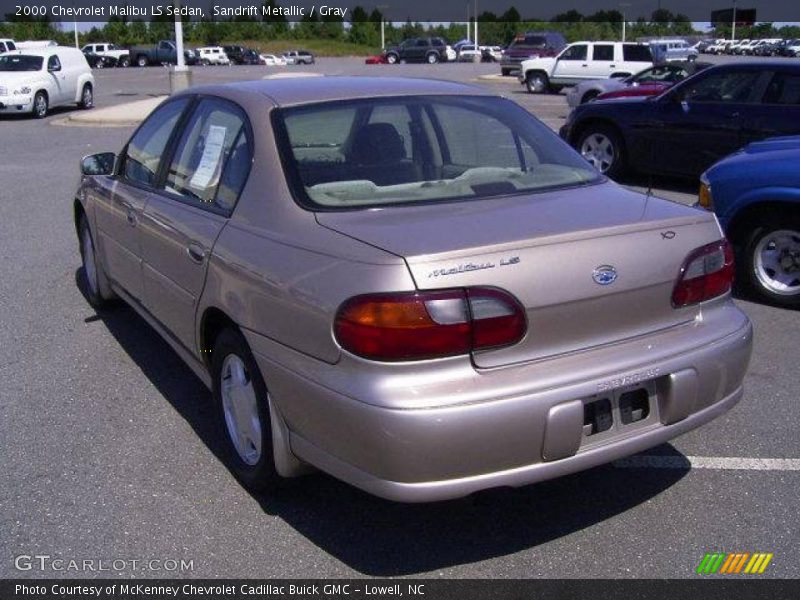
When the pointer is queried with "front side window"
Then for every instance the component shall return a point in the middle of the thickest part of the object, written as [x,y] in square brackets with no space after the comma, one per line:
[146,148]
[362,153]
[213,156]
[579,52]
[726,87]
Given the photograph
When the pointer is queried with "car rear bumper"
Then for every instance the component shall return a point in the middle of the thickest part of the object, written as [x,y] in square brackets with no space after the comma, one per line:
[509,426]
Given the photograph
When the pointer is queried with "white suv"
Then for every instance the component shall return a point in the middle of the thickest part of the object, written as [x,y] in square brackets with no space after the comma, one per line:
[7,45]
[584,60]
[33,81]
[105,49]
[212,55]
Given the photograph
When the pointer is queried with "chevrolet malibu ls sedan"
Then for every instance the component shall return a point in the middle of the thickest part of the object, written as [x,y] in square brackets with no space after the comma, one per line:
[366,290]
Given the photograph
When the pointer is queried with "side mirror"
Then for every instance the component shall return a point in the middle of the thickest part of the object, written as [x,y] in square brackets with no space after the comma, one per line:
[98,164]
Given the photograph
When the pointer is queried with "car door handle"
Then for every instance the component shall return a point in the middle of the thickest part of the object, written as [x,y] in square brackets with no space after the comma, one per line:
[130,214]
[196,252]
[584,65]
[613,67]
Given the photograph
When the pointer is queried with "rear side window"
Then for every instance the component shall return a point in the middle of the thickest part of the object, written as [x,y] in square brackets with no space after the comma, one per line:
[636,53]
[147,146]
[783,89]
[213,157]
[603,52]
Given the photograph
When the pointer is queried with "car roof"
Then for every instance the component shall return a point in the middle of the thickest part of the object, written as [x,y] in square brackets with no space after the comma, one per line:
[45,51]
[306,90]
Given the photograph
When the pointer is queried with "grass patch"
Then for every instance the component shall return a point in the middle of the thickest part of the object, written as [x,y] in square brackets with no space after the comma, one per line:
[318,47]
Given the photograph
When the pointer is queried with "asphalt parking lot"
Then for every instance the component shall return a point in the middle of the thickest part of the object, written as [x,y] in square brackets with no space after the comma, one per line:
[108,450]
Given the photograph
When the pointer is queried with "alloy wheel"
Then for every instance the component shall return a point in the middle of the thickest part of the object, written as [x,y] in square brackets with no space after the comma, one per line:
[240,408]
[777,262]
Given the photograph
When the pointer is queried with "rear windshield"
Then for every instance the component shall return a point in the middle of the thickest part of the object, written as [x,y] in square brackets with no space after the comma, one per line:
[21,62]
[367,153]
[529,41]
[636,53]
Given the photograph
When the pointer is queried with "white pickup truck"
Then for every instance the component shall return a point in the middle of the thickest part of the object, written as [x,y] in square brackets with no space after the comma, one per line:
[582,61]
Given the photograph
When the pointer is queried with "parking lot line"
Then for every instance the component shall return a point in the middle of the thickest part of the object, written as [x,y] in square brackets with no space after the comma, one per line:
[708,462]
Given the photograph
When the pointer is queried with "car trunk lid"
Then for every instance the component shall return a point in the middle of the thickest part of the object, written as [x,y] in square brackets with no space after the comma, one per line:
[554,253]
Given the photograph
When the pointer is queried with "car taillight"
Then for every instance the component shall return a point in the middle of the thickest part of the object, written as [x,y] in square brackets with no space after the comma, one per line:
[706,273]
[429,324]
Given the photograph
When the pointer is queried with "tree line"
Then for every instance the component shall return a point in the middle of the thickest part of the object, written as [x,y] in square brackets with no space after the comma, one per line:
[363,28]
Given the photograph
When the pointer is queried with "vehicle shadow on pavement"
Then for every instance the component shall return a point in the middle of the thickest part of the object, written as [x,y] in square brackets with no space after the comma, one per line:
[382,538]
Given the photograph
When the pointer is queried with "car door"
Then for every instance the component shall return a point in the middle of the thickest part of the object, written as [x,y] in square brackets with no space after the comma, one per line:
[207,171]
[778,110]
[700,121]
[572,66]
[58,78]
[118,216]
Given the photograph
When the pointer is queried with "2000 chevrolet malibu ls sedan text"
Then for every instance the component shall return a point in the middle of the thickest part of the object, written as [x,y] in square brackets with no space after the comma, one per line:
[367,290]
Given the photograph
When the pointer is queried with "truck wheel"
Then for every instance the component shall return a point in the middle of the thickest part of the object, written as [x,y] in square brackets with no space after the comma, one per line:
[505,72]
[537,82]
[141,60]
[125,61]
[432,58]
[391,58]
[769,265]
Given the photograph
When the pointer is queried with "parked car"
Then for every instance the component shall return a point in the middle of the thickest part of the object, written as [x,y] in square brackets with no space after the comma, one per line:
[121,56]
[755,194]
[97,61]
[7,45]
[530,45]
[299,57]
[649,82]
[241,55]
[491,53]
[34,81]
[671,49]
[469,53]
[689,127]
[702,46]
[583,61]
[163,53]
[212,55]
[410,326]
[656,87]
[377,59]
[271,60]
[425,49]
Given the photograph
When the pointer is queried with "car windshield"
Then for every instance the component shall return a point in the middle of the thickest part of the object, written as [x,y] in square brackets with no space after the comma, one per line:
[21,62]
[367,153]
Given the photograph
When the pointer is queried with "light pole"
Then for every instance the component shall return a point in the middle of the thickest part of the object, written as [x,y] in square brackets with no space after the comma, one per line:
[381,8]
[623,6]
[733,23]
[180,77]
[476,25]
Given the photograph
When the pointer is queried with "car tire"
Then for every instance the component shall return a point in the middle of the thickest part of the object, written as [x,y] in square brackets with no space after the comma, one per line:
[87,97]
[589,96]
[505,72]
[432,58]
[391,58]
[98,289]
[141,60]
[124,62]
[537,82]
[242,404]
[100,64]
[769,262]
[602,147]
[40,105]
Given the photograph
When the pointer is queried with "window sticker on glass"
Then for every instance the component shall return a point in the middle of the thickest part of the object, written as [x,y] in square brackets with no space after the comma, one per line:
[209,162]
